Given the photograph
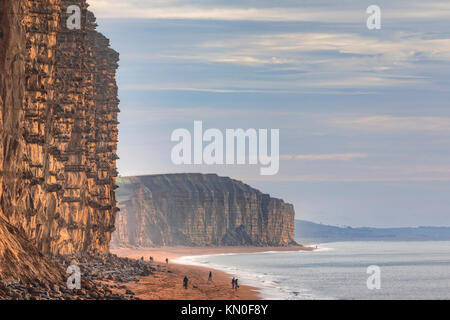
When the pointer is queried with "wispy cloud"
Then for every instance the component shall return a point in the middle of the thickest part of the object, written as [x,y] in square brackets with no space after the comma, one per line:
[326,157]
[202,10]
[321,60]
[304,56]
[390,124]
[398,45]
[186,10]
[181,87]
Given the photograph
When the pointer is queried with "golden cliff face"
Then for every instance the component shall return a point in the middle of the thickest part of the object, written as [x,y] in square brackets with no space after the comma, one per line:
[58,127]
[199,210]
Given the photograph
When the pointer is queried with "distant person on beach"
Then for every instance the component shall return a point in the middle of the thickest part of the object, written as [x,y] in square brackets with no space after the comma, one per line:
[210,276]
[151,259]
[236,284]
[185,282]
[233,283]
[142,259]
[167,260]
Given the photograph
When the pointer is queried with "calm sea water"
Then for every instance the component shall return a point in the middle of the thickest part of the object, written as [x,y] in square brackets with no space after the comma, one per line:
[409,270]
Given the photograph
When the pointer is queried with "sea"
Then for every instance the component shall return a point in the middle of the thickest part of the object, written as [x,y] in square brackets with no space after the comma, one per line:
[342,270]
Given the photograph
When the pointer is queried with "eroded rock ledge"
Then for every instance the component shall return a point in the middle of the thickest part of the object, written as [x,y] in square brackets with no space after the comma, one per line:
[199,210]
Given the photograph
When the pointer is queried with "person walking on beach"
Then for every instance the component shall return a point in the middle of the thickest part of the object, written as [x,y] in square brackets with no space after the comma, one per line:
[151,259]
[236,284]
[233,283]
[185,282]
[210,276]
[167,260]
[142,259]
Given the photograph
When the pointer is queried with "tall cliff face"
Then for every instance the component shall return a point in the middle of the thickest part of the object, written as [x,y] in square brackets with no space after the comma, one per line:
[58,128]
[198,210]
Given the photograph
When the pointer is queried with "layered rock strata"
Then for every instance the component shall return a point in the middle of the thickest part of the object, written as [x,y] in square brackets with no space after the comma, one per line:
[58,131]
[199,210]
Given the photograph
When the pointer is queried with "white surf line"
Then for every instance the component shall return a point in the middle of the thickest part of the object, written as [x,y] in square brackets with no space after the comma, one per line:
[265,285]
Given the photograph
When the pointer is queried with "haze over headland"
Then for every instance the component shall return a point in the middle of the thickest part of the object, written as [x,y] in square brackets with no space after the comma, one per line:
[363,115]
[310,232]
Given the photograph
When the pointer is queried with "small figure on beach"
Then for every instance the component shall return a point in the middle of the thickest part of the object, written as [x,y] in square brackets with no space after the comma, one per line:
[151,259]
[210,276]
[185,282]
[167,260]
[233,283]
[236,284]
[142,259]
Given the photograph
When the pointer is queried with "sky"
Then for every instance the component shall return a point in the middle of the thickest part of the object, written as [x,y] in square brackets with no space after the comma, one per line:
[364,115]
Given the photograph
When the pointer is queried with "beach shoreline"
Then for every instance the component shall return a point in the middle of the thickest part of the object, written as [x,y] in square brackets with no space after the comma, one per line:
[167,282]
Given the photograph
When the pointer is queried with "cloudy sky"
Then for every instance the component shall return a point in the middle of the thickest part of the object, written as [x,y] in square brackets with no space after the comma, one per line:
[364,115]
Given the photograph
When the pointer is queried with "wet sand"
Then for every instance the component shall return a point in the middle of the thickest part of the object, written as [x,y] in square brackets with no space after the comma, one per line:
[167,284]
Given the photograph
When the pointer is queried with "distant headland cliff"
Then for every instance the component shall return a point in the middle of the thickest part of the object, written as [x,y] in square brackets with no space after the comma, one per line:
[199,210]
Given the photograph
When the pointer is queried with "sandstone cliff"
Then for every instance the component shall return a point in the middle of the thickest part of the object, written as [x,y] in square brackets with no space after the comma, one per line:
[58,132]
[199,210]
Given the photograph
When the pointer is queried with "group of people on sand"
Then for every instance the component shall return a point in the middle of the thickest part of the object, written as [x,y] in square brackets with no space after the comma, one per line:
[151,260]
[234,281]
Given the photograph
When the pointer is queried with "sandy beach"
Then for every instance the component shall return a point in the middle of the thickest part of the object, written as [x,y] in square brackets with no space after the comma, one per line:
[168,283]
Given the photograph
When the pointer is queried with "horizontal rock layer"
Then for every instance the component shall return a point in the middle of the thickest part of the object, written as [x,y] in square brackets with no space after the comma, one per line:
[199,210]
[58,130]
